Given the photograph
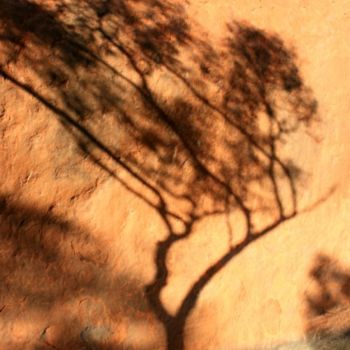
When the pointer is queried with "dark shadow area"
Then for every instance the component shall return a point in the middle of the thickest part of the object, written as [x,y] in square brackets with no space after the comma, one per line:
[51,265]
[328,306]
[198,126]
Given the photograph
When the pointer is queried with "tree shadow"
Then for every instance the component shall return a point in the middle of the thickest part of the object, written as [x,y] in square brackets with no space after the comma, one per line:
[199,127]
[327,307]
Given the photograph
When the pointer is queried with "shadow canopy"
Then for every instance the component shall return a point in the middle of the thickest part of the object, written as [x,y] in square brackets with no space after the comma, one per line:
[327,317]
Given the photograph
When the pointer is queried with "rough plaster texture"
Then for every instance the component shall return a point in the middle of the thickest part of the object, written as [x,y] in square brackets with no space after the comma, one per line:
[78,244]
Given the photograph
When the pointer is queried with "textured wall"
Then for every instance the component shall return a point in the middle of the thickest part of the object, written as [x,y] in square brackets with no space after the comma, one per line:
[120,129]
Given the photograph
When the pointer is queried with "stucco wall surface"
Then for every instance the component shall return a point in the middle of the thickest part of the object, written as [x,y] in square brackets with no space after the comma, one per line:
[174,174]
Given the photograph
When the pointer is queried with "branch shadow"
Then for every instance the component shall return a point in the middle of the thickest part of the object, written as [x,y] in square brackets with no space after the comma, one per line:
[198,126]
